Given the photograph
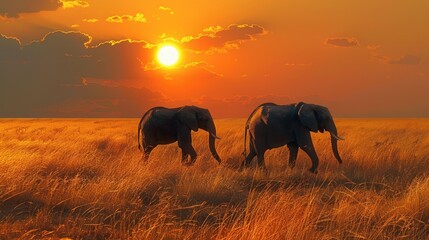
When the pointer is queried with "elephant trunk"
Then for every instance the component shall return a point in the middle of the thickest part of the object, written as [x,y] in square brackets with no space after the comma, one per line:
[334,139]
[212,138]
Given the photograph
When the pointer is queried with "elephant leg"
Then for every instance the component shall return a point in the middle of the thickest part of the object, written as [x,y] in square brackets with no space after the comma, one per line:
[306,144]
[185,143]
[311,152]
[260,147]
[293,153]
[184,157]
[193,155]
[249,157]
[261,160]
[186,151]
[147,151]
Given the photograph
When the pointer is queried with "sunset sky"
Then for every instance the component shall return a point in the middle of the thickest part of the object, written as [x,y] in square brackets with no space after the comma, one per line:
[97,58]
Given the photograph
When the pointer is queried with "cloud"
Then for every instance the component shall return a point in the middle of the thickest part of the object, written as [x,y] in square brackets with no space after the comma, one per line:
[64,75]
[74,3]
[12,9]
[220,38]
[47,78]
[342,42]
[90,20]
[372,48]
[139,17]
[117,60]
[166,9]
[406,59]
[10,49]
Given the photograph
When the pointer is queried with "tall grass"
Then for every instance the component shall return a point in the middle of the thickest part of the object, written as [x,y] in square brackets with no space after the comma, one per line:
[83,179]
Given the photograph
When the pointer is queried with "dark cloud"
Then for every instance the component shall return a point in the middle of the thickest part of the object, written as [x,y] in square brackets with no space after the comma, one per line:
[218,37]
[13,8]
[342,42]
[59,43]
[118,59]
[66,75]
[406,59]
[63,75]
[47,78]
[10,49]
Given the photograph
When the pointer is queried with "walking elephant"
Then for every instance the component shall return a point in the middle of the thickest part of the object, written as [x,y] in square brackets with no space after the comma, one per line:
[161,125]
[271,126]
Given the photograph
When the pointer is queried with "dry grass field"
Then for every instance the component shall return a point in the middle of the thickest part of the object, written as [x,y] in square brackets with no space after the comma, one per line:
[83,179]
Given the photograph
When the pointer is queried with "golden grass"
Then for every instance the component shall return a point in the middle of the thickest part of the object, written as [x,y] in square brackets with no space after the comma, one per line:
[83,179]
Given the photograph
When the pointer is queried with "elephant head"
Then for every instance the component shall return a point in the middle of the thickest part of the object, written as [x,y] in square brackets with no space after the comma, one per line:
[199,118]
[318,118]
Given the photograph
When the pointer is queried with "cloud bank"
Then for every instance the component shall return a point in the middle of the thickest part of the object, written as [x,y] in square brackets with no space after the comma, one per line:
[406,59]
[64,75]
[223,38]
[47,78]
[13,8]
[342,42]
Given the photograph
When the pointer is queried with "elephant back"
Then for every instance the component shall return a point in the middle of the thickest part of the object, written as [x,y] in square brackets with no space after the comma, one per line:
[277,115]
[161,117]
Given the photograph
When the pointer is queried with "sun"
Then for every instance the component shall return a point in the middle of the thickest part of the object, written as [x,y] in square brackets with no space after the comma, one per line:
[168,55]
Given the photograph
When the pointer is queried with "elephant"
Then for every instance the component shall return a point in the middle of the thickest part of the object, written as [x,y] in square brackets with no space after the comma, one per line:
[272,126]
[161,125]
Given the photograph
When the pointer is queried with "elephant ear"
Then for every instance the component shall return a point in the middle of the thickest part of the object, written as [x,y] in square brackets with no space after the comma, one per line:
[307,116]
[188,117]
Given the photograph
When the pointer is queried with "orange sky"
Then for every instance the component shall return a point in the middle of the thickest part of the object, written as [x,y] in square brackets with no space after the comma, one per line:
[96,58]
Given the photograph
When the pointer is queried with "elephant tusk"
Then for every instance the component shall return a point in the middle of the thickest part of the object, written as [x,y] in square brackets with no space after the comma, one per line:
[337,137]
[213,135]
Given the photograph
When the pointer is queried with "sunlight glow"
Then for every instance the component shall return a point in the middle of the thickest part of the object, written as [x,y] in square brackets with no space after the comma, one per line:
[168,55]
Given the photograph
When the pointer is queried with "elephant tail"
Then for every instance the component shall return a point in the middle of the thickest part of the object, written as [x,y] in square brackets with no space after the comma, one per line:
[245,137]
[140,128]
[138,133]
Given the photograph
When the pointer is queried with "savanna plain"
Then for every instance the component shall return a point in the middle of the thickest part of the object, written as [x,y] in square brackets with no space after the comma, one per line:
[84,179]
